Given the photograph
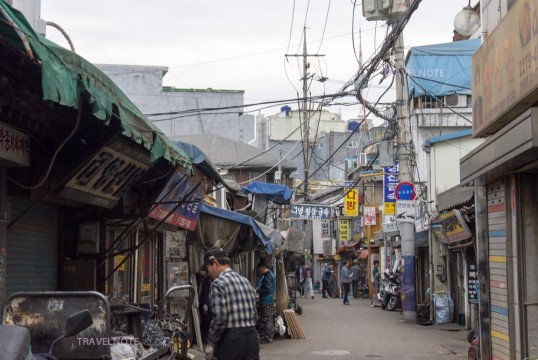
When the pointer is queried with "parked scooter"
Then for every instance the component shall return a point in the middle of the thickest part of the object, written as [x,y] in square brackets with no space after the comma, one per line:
[58,318]
[391,291]
[15,340]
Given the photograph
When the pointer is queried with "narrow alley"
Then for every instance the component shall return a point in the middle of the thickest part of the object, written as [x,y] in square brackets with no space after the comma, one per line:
[359,331]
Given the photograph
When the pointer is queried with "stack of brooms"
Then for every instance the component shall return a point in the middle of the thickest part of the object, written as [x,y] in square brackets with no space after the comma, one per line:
[282,301]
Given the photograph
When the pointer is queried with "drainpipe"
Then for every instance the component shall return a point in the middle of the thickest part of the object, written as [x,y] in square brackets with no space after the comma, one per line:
[427,149]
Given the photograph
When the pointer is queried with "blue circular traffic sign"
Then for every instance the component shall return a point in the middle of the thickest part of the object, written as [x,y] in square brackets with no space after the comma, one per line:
[405,191]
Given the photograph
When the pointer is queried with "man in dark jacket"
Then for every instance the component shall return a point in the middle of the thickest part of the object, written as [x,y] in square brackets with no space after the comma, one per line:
[327,273]
[267,290]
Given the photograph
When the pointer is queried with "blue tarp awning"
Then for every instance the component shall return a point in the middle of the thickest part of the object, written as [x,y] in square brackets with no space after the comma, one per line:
[269,237]
[202,162]
[441,69]
[279,194]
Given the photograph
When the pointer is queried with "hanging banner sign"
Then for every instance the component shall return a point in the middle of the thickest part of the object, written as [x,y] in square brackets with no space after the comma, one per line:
[351,202]
[390,180]
[310,212]
[369,216]
[184,190]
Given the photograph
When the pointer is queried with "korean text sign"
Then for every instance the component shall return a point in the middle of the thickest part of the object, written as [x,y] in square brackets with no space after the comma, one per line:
[310,212]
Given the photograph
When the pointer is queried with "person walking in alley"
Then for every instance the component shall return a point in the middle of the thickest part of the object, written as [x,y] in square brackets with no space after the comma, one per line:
[300,275]
[376,280]
[232,332]
[356,271]
[308,281]
[327,272]
[346,280]
[267,290]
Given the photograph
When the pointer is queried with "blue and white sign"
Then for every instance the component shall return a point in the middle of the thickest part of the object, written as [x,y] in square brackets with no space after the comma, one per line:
[390,180]
[310,212]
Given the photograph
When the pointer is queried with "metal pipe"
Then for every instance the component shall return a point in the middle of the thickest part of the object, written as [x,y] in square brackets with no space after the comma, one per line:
[60,29]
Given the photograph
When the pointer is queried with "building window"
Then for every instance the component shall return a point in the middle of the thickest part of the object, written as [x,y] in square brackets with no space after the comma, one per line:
[352,144]
[429,102]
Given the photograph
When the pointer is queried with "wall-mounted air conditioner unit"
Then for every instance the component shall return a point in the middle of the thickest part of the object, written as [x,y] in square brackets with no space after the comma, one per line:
[456,100]
[362,159]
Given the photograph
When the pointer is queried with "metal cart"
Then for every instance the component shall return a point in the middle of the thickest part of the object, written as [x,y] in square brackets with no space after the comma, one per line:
[292,294]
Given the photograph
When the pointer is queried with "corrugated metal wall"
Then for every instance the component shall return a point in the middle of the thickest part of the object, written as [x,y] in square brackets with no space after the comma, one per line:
[497,221]
[32,247]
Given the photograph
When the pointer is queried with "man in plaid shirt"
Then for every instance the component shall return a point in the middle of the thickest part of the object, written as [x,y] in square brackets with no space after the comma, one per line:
[232,333]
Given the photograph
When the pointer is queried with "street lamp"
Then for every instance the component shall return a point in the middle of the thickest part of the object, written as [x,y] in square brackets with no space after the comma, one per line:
[467,21]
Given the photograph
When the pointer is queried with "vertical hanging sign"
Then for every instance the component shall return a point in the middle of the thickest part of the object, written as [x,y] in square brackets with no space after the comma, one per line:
[369,216]
[390,180]
[351,202]
[344,230]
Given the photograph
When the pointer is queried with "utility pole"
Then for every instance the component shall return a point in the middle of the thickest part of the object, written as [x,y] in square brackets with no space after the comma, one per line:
[407,230]
[392,12]
[305,110]
[306,127]
[306,116]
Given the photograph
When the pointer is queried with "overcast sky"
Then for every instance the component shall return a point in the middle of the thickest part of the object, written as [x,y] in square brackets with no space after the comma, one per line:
[240,44]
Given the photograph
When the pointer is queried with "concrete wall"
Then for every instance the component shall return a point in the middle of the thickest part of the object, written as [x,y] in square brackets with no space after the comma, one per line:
[143,85]
[444,163]
[428,123]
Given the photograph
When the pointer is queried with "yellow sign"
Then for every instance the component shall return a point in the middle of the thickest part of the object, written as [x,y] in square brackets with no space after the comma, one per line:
[343,226]
[454,225]
[117,260]
[351,203]
[390,208]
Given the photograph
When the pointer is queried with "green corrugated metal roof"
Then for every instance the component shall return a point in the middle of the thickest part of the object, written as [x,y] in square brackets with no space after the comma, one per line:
[65,75]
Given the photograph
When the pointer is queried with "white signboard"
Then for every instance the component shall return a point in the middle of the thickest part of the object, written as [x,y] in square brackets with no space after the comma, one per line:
[14,147]
[406,211]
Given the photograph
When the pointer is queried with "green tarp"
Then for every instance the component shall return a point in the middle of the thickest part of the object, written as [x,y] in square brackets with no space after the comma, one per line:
[65,75]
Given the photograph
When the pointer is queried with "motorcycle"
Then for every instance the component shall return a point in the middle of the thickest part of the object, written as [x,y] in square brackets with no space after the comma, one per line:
[55,325]
[391,289]
[15,340]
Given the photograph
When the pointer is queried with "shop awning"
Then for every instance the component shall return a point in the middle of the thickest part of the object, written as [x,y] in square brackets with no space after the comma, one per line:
[202,162]
[66,75]
[453,197]
[279,194]
[270,238]
[293,240]
[348,248]
[441,69]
